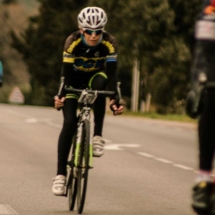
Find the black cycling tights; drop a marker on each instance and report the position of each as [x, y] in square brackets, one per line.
[70, 119]
[207, 133]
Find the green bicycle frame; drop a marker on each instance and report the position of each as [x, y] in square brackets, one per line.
[78, 146]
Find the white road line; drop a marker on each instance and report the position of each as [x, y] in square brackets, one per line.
[54, 125]
[145, 155]
[163, 160]
[7, 209]
[183, 167]
[31, 120]
[43, 120]
[166, 161]
[120, 146]
[17, 113]
[107, 141]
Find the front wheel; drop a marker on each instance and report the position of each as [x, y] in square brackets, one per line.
[72, 193]
[72, 181]
[83, 166]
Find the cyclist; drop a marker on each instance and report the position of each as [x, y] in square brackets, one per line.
[1, 73]
[201, 103]
[89, 59]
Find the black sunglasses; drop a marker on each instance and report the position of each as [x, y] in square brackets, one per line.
[90, 32]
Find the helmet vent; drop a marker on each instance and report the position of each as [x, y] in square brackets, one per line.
[92, 17]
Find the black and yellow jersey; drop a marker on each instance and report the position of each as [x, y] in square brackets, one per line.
[81, 60]
[89, 59]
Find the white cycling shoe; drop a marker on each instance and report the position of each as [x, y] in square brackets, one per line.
[98, 146]
[59, 185]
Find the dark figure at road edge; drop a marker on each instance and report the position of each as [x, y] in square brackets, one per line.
[201, 103]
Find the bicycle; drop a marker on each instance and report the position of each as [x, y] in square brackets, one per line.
[81, 153]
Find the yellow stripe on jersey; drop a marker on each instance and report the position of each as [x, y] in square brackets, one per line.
[112, 56]
[109, 45]
[72, 46]
[89, 64]
[68, 58]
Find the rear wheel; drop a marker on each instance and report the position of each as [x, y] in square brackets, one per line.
[83, 166]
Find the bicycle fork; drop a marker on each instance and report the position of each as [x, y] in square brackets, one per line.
[78, 149]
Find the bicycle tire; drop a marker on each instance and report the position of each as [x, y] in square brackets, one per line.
[84, 158]
[72, 194]
[72, 184]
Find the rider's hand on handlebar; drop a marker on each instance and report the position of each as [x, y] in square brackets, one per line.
[58, 102]
[117, 109]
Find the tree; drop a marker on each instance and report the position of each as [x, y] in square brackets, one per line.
[186, 13]
[9, 1]
[158, 33]
[41, 45]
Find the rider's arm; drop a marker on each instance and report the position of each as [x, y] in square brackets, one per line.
[65, 73]
[68, 61]
[60, 97]
[115, 104]
[111, 70]
[111, 65]
[111, 73]
[65, 77]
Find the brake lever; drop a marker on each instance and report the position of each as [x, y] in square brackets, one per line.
[119, 95]
[60, 90]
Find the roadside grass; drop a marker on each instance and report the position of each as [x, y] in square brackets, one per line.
[169, 117]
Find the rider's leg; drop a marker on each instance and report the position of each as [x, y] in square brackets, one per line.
[207, 111]
[78, 80]
[98, 82]
[67, 132]
[202, 191]
[206, 133]
[64, 144]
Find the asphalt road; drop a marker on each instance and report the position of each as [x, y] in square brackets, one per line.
[148, 167]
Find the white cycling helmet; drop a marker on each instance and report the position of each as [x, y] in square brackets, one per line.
[92, 17]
